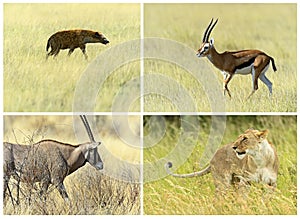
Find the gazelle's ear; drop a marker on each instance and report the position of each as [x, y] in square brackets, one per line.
[211, 42]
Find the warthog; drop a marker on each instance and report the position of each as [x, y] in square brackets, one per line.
[48, 162]
[72, 39]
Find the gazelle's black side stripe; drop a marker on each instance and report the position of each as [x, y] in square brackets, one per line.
[245, 64]
[250, 61]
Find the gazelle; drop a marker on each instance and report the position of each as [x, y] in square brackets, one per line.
[242, 62]
[48, 162]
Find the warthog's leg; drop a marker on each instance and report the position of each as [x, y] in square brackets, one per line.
[54, 51]
[62, 190]
[82, 47]
[71, 51]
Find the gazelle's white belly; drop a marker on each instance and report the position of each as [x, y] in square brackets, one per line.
[244, 71]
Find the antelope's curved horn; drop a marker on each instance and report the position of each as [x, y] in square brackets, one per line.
[87, 127]
[206, 40]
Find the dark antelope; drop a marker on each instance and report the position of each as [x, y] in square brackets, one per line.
[243, 62]
[48, 162]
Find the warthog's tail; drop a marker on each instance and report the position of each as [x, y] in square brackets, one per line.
[188, 175]
[48, 45]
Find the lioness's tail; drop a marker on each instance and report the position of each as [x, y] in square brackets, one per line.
[188, 175]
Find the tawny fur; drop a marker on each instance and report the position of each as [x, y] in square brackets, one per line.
[251, 158]
[72, 39]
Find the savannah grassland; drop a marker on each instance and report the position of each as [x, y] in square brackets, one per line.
[267, 27]
[170, 195]
[114, 190]
[33, 84]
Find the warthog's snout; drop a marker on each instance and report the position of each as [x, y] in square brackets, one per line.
[105, 41]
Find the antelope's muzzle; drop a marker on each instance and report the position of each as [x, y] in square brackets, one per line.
[99, 166]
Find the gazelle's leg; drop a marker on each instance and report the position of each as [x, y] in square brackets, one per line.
[265, 80]
[227, 78]
[224, 76]
[254, 82]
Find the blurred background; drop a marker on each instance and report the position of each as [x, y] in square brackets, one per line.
[169, 195]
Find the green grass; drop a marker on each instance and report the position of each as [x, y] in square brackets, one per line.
[169, 195]
[186, 23]
[32, 84]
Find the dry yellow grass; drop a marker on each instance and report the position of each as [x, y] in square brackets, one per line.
[32, 84]
[186, 23]
[114, 191]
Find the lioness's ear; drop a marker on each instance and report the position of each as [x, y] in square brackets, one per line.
[263, 134]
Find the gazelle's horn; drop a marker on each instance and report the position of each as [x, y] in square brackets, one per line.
[204, 36]
[208, 34]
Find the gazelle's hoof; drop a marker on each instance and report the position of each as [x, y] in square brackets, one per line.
[225, 90]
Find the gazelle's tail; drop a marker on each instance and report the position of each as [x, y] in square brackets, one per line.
[273, 64]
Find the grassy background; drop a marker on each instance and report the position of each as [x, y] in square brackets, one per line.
[262, 28]
[116, 191]
[171, 195]
[33, 84]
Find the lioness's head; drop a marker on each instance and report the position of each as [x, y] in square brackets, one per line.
[248, 142]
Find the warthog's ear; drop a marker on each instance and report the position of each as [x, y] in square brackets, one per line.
[263, 134]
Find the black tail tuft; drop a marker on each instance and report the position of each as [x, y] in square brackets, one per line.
[273, 64]
[169, 164]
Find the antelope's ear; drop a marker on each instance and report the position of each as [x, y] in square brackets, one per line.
[94, 145]
[211, 42]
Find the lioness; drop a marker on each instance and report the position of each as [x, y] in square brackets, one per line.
[250, 158]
